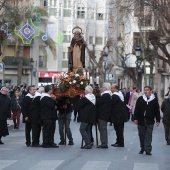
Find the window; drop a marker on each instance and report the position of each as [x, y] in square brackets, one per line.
[51, 3]
[67, 4]
[52, 11]
[67, 39]
[100, 16]
[45, 2]
[136, 39]
[65, 55]
[90, 40]
[146, 20]
[64, 64]
[66, 13]
[42, 62]
[55, 3]
[98, 40]
[81, 14]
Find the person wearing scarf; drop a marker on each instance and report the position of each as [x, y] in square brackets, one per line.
[5, 112]
[87, 111]
[146, 110]
[25, 108]
[103, 105]
[119, 115]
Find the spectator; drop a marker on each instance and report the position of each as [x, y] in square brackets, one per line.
[166, 118]
[5, 112]
[16, 102]
[146, 110]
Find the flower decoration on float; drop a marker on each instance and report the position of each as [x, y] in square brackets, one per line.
[71, 79]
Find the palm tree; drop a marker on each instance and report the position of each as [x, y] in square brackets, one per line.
[24, 13]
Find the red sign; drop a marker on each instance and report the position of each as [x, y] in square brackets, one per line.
[50, 74]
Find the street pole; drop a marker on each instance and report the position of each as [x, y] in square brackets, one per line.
[31, 74]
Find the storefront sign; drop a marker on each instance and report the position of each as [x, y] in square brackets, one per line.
[50, 74]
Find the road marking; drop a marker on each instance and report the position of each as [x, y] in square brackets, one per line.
[6, 163]
[131, 143]
[145, 166]
[5, 149]
[47, 164]
[96, 165]
[125, 158]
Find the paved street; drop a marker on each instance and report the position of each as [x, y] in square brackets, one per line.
[14, 155]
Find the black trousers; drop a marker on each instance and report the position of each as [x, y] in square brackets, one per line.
[119, 128]
[145, 137]
[28, 133]
[48, 131]
[36, 130]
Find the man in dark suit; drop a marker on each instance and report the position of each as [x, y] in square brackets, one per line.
[35, 116]
[103, 105]
[118, 115]
[26, 105]
[49, 117]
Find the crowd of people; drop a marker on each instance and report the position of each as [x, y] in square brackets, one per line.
[41, 109]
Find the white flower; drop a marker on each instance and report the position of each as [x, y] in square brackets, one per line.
[81, 83]
[70, 82]
[76, 75]
[74, 81]
[65, 76]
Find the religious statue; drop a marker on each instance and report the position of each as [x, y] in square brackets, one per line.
[76, 54]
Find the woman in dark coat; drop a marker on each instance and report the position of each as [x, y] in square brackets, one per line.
[16, 108]
[5, 112]
[87, 110]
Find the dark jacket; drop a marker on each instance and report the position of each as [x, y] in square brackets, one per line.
[165, 107]
[103, 105]
[35, 110]
[147, 112]
[64, 101]
[25, 107]
[48, 110]
[5, 107]
[118, 110]
[16, 104]
[127, 97]
[87, 111]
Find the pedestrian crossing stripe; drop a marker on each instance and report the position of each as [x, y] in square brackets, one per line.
[96, 165]
[47, 164]
[146, 166]
[6, 163]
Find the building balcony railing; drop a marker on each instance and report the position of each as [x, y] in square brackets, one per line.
[14, 61]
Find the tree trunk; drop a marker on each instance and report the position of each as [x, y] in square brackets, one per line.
[20, 64]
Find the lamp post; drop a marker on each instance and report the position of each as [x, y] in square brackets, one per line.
[32, 65]
[105, 56]
[137, 53]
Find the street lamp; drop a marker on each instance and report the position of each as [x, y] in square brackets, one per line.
[138, 53]
[105, 56]
[32, 65]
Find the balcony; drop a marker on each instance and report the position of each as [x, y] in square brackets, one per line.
[12, 62]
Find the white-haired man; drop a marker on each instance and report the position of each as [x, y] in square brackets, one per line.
[103, 105]
[35, 112]
[87, 110]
